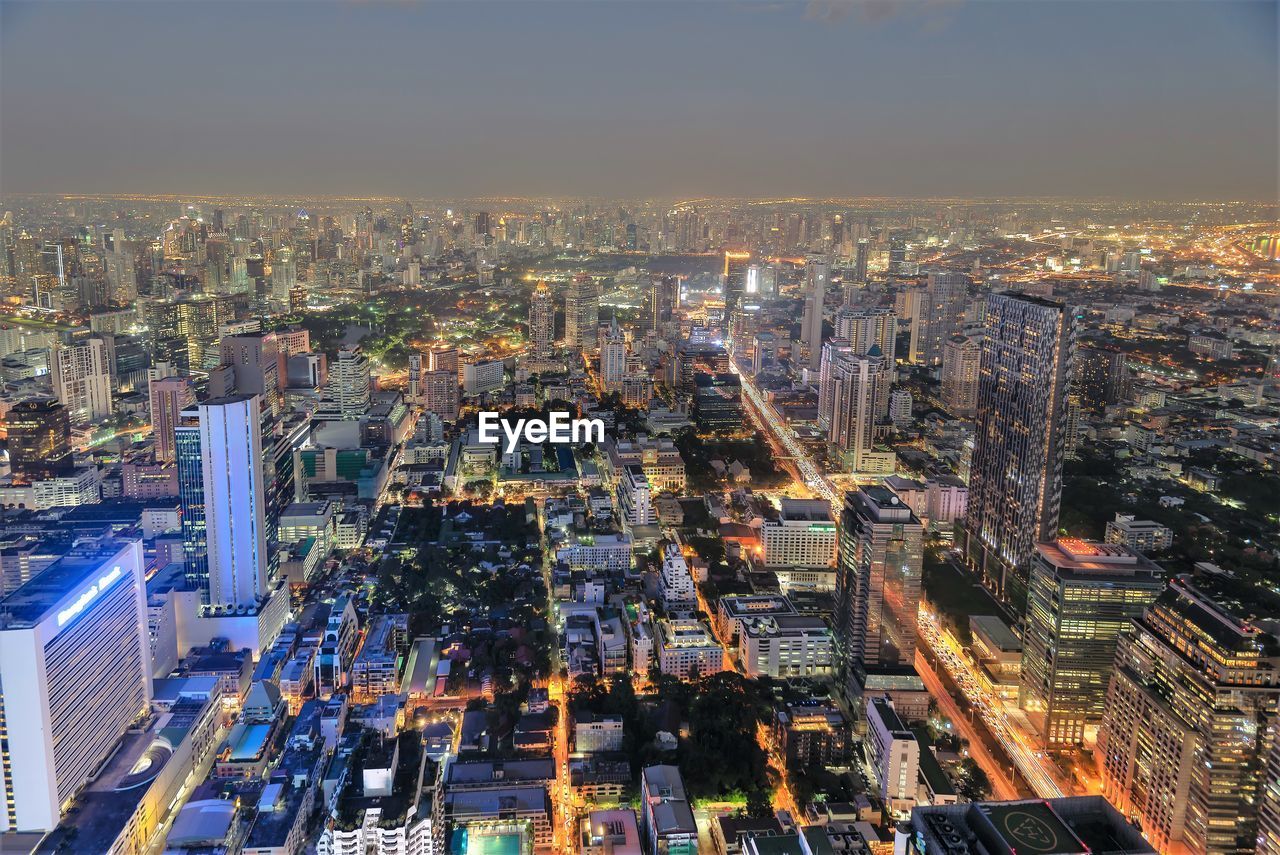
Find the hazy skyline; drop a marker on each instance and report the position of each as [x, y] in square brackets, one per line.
[1142, 100]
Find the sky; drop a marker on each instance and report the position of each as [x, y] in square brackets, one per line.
[652, 99]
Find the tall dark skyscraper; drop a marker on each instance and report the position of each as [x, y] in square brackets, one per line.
[664, 299]
[1015, 484]
[39, 438]
[1101, 376]
[878, 570]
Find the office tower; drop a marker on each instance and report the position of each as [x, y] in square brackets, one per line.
[1015, 480]
[189, 460]
[234, 500]
[734, 283]
[613, 357]
[39, 438]
[74, 652]
[257, 364]
[542, 322]
[81, 372]
[961, 356]
[1269, 809]
[440, 394]
[1185, 728]
[664, 300]
[898, 254]
[764, 352]
[942, 314]
[122, 274]
[860, 261]
[1081, 596]
[1101, 377]
[878, 571]
[350, 387]
[848, 401]
[816, 275]
[168, 396]
[867, 328]
[284, 276]
[581, 312]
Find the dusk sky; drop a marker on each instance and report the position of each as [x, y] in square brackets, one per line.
[431, 99]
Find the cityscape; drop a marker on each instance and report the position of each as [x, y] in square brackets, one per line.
[356, 505]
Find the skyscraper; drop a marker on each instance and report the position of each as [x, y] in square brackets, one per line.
[816, 275]
[258, 364]
[168, 396]
[1081, 596]
[878, 573]
[581, 312]
[39, 438]
[664, 299]
[849, 386]
[81, 373]
[234, 500]
[77, 675]
[867, 328]
[1185, 733]
[1101, 376]
[942, 315]
[1015, 485]
[961, 357]
[542, 322]
[440, 394]
[350, 388]
[613, 357]
[860, 261]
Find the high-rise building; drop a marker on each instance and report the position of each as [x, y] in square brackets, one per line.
[234, 500]
[860, 261]
[961, 356]
[1081, 596]
[664, 300]
[440, 394]
[1015, 480]
[168, 396]
[1101, 377]
[542, 322]
[74, 652]
[39, 438]
[443, 359]
[284, 277]
[81, 371]
[350, 388]
[849, 388]
[1187, 724]
[817, 274]
[942, 314]
[878, 574]
[802, 535]
[735, 282]
[258, 365]
[613, 357]
[581, 312]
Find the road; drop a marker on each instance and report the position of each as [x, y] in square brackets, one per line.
[1035, 766]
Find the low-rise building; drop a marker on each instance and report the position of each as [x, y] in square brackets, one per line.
[786, 646]
[686, 647]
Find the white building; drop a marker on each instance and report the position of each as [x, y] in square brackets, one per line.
[597, 552]
[74, 654]
[686, 645]
[478, 377]
[786, 646]
[1139, 535]
[675, 582]
[634, 498]
[803, 535]
[234, 500]
[894, 755]
[613, 357]
[82, 379]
